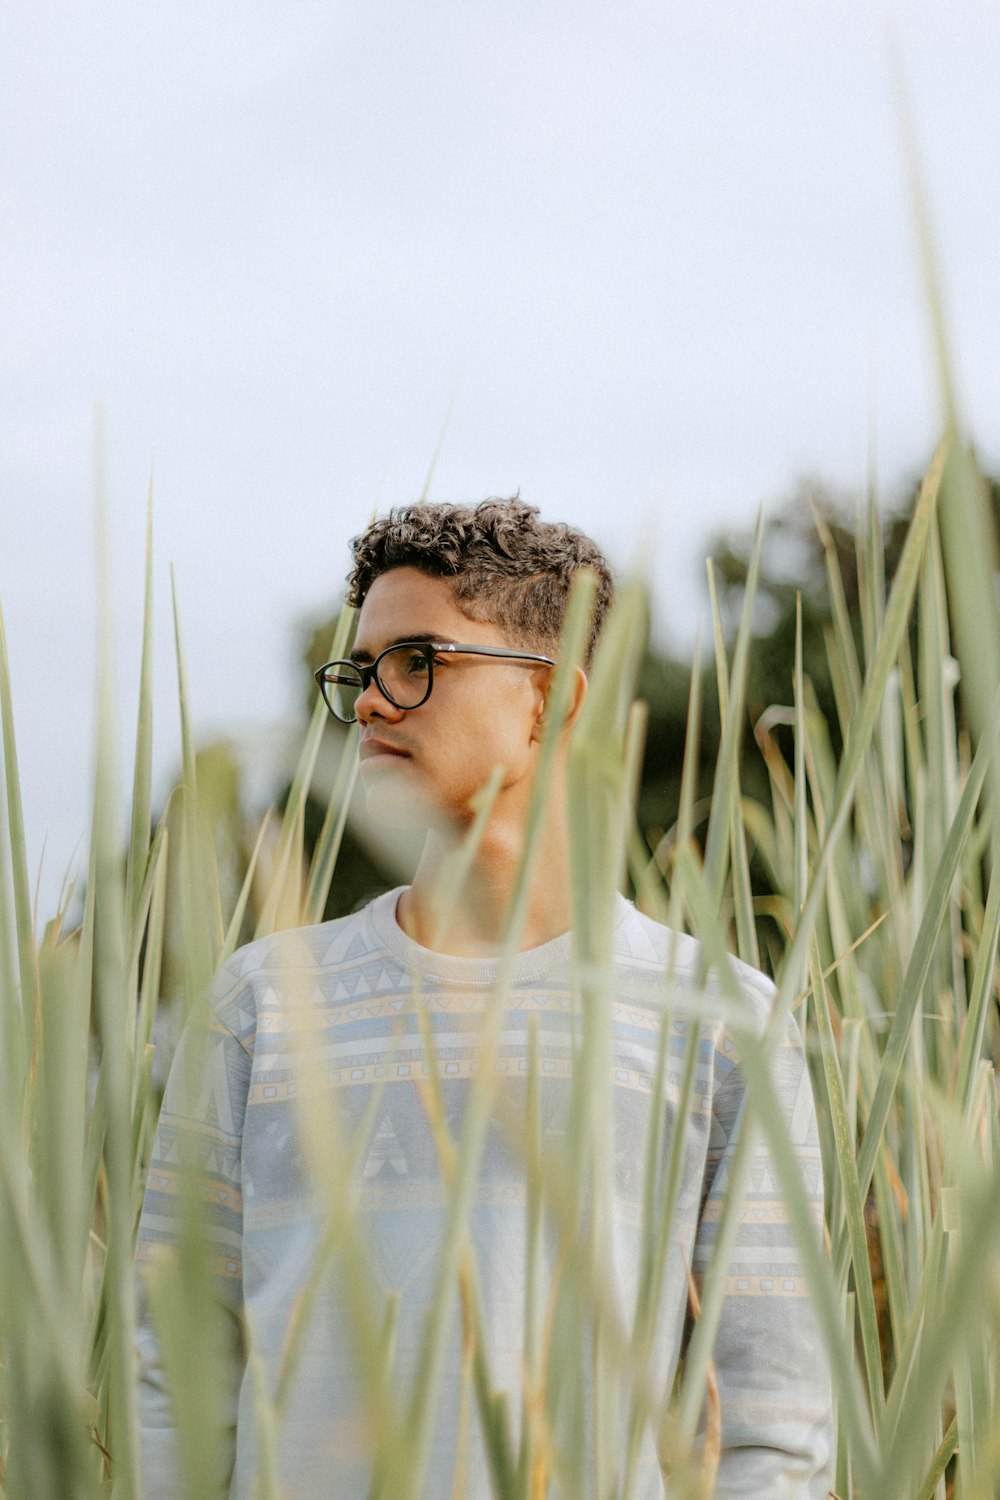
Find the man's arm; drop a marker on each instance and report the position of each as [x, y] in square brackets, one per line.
[197, 1151]
[771, 1363]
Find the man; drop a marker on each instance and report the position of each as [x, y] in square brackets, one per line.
[408, 1028]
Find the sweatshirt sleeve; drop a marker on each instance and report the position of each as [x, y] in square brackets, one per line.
[770, 1359]
[198, 1141]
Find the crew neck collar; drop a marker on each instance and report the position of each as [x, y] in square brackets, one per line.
[530, 965]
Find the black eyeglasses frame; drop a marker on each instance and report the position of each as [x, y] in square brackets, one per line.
[369, 671]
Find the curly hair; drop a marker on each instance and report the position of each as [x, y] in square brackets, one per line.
[506, 566]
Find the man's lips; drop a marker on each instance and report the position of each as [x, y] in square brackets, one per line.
[378, 749]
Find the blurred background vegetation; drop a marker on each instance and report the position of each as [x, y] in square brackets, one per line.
[813, 527]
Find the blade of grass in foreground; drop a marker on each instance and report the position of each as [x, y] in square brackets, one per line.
[763, 1110]
[980, 996]
[920, 960]
[288, 862]
[192, 1340]
[20, 1016]
[114, 1023]
[232, 937]
[331, 835]
[149, 993]
[968, 529]
[142, 779]
[939, 1463]
[200, 881]
[601, 770]
[11, 1028]
[854, 1213]
[412, 1457]
[953, 1315]
[862, 729]
[725, 786]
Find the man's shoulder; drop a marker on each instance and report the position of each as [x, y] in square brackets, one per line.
[642, 943]
[296, 952]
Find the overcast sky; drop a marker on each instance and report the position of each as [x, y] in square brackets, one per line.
[656, 258]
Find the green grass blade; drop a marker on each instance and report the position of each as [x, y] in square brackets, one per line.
[154, 927]
[725, 788]
[863, 726]
[938, 897]
[476, 1115]
[203, 924]
[746, 928]
[765, 1112]
[953, 1316]
[854, 1211]
[115, 1021]
[939, 1463]
[324, 860]
[288, 862]
[143, 772]
[719, 644]
[980, 998]
[20, 1016]
[232, 936]
[843, 633]
[801, 823]
[425, 489]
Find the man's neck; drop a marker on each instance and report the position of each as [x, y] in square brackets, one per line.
[472, 921]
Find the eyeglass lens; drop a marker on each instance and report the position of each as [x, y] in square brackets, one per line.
[403, 676]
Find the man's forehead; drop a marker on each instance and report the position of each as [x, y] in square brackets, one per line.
[405, 604]
[406, 583]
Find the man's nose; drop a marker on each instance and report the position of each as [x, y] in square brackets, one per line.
[373, 704]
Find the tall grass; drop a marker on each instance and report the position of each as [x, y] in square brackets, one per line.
[880, 926]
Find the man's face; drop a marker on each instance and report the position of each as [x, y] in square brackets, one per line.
[423, 766]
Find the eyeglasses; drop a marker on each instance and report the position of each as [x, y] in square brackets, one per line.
[403, 673]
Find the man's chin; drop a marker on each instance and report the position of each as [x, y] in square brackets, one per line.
[394, 795]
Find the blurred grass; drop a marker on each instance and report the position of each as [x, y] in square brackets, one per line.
[855, 857]
[884, 917]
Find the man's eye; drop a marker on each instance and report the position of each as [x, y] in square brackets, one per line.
[416, 664]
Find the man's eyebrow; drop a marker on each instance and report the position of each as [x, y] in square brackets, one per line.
[419, 637]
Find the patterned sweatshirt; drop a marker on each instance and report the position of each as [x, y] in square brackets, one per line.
[358, 1011]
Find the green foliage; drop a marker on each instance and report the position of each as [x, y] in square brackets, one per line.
[852, 849]
[815, 549]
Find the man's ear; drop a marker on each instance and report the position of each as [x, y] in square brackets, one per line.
[580, 685]
[579, 694]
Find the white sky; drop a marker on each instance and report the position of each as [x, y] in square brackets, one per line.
[658, 255]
